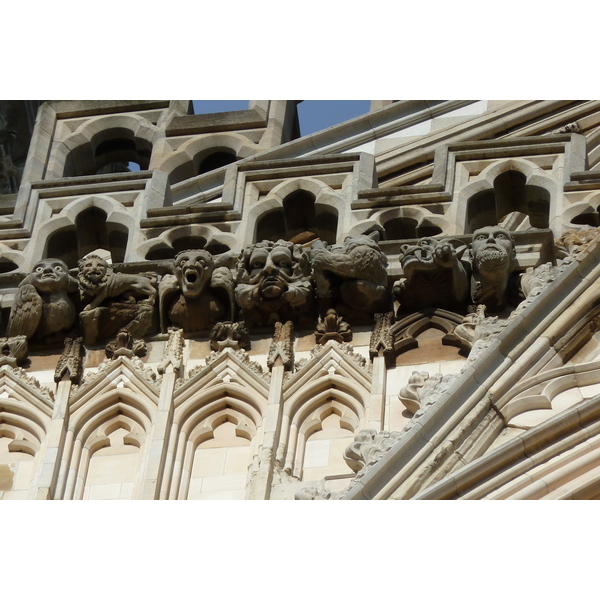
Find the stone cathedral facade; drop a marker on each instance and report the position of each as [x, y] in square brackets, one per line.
[402, 306]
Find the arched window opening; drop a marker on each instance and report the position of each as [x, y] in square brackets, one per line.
[63, 244]
[300, 220]
[591, 218]
[90, 232]
[299, 213]
[270, 226]
[510, 195]
[216, 160]
[182, 172]
[192, 242]
[401, 228]
[427, 229]
[115, 150]
[6, 266]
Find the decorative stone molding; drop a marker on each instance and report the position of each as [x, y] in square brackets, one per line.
[433, 275]
[240, 354]
[410, 395]
[29, 381]
[569, 128]
[314, 493]
[282, 346]
[13, 350]
[345, 348]
[467, 332]
[173, 352]
[362, 268]
[382, 340]
[368, 447]
[134, 363]
[70, 363]
[227, 334]
[573, 243]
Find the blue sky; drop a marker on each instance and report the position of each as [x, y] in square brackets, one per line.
[313, 115]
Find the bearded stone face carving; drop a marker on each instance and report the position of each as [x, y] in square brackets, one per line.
[192, 295]
[494, 259]
[433, 275]
[352, 277]
[115, 300]
[273, 283]
[42, 306]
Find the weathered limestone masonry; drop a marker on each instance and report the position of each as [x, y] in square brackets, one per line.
[405, 305]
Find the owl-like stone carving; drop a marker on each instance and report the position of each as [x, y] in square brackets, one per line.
[42, 306]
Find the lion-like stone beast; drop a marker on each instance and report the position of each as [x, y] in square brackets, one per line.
[352, 276]
[115, 301]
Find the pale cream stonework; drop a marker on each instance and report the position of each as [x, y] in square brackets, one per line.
[512, 410]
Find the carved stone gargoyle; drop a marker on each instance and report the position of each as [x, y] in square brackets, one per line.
[433, 275]
[273, 284]
[200, 292]
[42, 308]
[115, 301]
[352, 276]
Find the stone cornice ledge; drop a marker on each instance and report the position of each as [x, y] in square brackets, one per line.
[397, 471]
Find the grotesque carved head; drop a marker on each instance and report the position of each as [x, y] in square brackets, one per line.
[273, 283]
[493, 249]
[193, 269]
[93, 272]
[273, 266]
[418, 256]
[50, 275]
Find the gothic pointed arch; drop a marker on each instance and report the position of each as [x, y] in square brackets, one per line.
[105, 143]
[325, 403]
[217, 427]
[25, 414]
